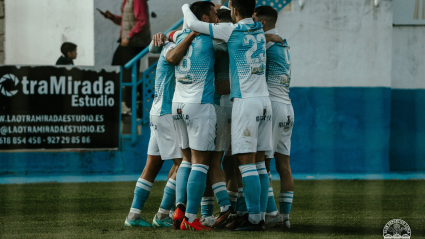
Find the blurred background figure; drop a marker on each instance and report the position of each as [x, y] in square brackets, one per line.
[134, 37]
[69, 54]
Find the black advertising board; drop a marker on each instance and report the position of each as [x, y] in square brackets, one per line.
[48, 107]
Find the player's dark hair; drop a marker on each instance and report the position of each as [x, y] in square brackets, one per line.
[67, 47]
[244, 7]
[224, 15]
[267, 13]
[200, 8]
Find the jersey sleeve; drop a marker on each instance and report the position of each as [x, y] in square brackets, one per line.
[219, 45]
[218, 31]
[168, 46]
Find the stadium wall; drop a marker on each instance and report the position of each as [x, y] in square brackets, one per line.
[357, 90]
[35, 31]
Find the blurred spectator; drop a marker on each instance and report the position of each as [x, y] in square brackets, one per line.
[135, 36]
[69, 51]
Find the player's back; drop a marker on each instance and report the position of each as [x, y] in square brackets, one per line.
[278, 71]
[164, 84]
[195, 73]
[247, 48]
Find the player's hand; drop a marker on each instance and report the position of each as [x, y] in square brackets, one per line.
[217, 6]
[222, 87]
[273, 38]
[159, 39]
[230, 4]
[195, 34]
[125, 41]
[108, 14]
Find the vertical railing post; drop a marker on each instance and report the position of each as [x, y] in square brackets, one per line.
[120, 105]
[134, 103]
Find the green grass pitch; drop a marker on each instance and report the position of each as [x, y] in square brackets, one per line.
[321, 209]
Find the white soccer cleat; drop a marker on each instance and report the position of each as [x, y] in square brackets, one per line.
[272, 221]
[207, 221]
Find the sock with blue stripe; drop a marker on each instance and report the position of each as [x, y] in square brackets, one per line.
[207, 206]
[252, 191]
[241, 203]
[181, 182]
[220, 192]
[285, 202]
[271, 204]
[168, 199]
[264, 182]
[141, 194]
[233, 198]
[195, 187]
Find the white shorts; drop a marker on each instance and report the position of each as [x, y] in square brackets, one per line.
[224, 123]
[195, 125]
[163, 139]
[283, 122]
[251, 125]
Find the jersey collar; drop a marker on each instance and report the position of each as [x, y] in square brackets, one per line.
[272, 31]
[248, 20]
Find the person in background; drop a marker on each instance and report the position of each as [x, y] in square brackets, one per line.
[69, 51]
[135, 36]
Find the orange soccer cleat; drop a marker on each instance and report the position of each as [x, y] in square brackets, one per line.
[194, 226]
[177, 218]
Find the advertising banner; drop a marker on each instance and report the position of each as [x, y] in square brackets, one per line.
[48, 107]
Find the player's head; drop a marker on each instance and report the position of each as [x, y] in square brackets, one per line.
[205, 11]
[69, 50]
[242, 9]
[224, 15]
[266, 15]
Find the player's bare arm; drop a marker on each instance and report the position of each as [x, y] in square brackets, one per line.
[273, 38]
[175, 55]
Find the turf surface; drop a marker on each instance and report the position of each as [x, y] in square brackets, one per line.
[321, 209]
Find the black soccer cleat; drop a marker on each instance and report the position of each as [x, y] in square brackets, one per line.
[248, 226]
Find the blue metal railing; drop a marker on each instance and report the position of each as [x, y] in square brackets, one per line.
[134, 83]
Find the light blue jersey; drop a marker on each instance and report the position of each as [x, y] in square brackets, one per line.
[222, 73]
[195, 73]
[278, 73]
[164, 84]
[247, 50]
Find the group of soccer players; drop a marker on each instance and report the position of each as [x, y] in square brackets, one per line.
[221, 98]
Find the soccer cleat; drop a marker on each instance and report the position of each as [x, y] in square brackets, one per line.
[194, 226]
[136, 223]
[167, 222]
[272, 221]
[237, 221]
[287, 224]
[178, 218]
[207, 221]
[224, 218]
[248, 226]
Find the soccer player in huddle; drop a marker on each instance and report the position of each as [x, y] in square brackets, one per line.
[163, 143]
[251, 124]
[195, 122]
[278, 75]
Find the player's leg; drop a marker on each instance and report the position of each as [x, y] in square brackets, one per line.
[273, 218]
[201, 121]
[230, 167]
[145, 182]
[142, 191]
[185, 167]
[207, 206]
[287, 186]
[283, 167]
[264, 144]
[246, 114]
